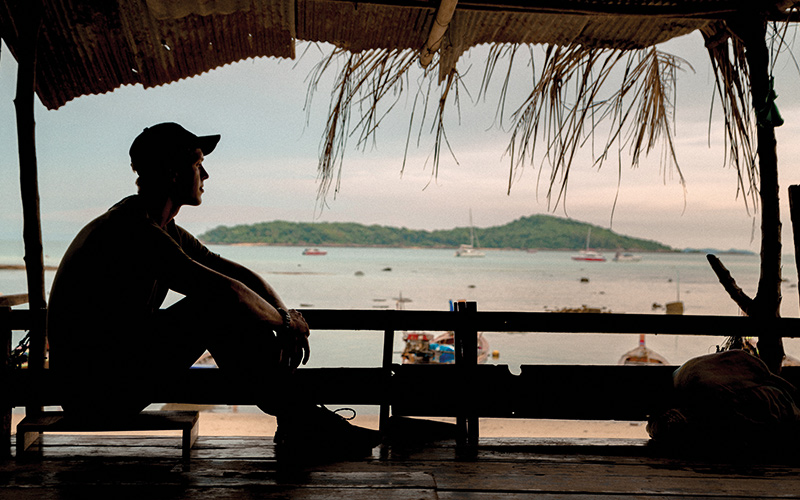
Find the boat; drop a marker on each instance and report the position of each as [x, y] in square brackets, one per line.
[676, 307]
[314, 251]
[641, 355]
[589, 255]
[422, 348]
[470, 250]
[206, 360]
[627, 257]
[425, 348]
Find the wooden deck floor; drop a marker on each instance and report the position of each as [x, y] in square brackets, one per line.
[151, 467]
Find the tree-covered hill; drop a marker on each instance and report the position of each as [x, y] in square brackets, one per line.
[536, 231]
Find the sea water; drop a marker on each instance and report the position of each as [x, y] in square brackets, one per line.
[503, 280]
[507, 280]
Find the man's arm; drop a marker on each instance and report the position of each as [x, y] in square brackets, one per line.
[250, 279]
[232, 286]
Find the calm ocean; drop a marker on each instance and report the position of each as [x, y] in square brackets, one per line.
[368, 278]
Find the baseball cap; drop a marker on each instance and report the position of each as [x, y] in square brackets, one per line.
[167, 140]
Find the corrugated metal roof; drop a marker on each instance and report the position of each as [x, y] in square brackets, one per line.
[95, 46]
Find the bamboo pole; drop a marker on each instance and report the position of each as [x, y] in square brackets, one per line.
[444, 14]
[29, 25]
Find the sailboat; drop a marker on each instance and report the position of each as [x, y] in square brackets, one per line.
[589, 255]
[470, 250]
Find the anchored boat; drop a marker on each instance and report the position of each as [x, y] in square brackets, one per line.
[470, 250]
[642, 355]
[589, 255]
[424, 348]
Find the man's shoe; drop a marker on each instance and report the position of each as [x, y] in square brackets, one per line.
[320, 434]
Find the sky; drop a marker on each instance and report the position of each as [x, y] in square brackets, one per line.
[265, 167]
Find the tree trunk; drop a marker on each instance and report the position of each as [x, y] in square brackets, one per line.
[767, 301]
[28, 174]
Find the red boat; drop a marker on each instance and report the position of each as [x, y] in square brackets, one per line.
[314, 251]
[589, 256]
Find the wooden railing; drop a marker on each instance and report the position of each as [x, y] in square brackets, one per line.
[464, 390]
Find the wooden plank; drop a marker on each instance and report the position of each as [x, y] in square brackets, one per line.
[501, 469]
[434, 472]
[13, 299]
[5, 409]
[56, 421]
[505, 321]
[29, 429]
[614, 478]
[496, 321]
[592, 392]
[212, 386]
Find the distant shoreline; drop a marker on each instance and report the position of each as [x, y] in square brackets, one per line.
[488, 249]
[21, 267]
[443, 247]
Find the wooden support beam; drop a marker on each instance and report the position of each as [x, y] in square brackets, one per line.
[444, 14]
[386, 367]
[6, 303]
[466, 357]
[29, 24]
[794, 214]
[677, 10]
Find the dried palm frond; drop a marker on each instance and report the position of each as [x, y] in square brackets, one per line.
[366, 80]
[639, 113]
[732, 79]
[576, 93]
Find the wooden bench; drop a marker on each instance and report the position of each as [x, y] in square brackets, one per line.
[30, 429]
[33, 385]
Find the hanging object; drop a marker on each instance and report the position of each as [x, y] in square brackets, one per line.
[769, 116]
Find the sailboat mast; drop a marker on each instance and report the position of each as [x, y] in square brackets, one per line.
[471, 230]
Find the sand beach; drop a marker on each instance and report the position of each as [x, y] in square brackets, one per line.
[257, 424]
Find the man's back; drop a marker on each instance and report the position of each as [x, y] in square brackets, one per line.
[111, 278]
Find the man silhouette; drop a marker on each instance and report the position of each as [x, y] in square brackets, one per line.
[110, 337]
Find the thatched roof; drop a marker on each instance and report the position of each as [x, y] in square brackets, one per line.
[96, 46]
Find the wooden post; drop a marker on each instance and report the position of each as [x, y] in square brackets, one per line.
[466, 355]
[6, 303]
[5, 411]
[388, 348]
[29, 26]
[794, 213]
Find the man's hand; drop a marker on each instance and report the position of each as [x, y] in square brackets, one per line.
[293, 341]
